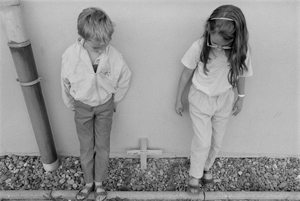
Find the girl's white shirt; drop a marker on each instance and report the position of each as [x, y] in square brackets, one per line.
[216, 80]
[80, 82]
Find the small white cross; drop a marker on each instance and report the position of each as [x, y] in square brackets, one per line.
[143, 152]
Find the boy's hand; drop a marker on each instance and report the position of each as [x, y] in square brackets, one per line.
[115, 106]
[237, 106]
[179, 108]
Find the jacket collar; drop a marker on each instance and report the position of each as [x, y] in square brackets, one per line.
[80, 41]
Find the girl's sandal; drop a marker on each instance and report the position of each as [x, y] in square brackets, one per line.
[194, 189]
[206, 181]
[100, 196]
[85, 195]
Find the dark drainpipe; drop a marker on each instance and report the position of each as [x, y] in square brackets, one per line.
[21, 51]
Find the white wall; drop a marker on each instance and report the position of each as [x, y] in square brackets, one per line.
[153, 35]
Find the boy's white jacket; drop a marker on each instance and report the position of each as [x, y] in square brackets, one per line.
[80, 82]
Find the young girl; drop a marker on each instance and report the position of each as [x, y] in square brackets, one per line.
[220, 61]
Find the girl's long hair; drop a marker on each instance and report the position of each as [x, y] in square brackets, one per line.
[235, 30]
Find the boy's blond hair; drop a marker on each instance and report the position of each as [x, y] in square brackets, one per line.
[94, 24]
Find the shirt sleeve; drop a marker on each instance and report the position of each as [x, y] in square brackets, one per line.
[65, 87]
[192, 56]
[123, 83]
[249, 72]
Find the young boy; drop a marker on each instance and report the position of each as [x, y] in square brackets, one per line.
[94, 77]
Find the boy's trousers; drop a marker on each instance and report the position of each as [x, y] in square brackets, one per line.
[209, 117]
[93, 125]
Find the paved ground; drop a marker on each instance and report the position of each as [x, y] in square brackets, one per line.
[144, 195]
[119, 199]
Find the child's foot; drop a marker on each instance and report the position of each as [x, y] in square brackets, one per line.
[193, 185]
[207, 178]
[84, 192]
[100, 193]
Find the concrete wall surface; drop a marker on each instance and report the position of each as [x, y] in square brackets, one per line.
[153, 35]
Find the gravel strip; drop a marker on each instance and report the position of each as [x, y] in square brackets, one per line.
[162, 174]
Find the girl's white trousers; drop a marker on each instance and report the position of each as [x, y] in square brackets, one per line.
[209, 117]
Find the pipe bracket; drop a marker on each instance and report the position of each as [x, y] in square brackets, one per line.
[18, 45]
[27, 84]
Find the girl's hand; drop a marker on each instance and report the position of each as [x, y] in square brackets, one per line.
[237, 106]
[179, 108]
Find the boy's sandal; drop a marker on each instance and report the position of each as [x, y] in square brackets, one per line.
[195, 189]
[100, 196]
[206, 181]
[85, 195]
